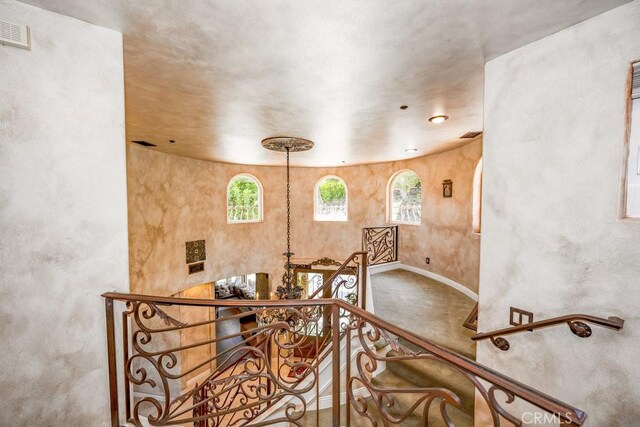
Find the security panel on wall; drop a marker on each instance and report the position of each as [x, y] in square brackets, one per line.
[15, 35]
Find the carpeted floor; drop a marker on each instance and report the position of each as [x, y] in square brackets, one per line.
[424, 306]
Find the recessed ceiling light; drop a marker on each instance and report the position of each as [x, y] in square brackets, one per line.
[404, 107]
[172, 141]
[410, 150]
[438, 119]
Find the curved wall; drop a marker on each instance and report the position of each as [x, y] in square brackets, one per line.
[176, 199]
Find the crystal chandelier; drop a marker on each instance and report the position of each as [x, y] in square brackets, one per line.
[289, 289]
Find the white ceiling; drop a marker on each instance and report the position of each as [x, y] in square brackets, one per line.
[218, 76]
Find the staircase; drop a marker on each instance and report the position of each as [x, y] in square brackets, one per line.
[439, 312]
[299, 354]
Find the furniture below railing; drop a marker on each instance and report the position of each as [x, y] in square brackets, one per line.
[273, 371]
[381, 244]
[576, 322]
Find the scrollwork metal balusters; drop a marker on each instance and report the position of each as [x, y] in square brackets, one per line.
[245, 383]
[266, 375]
[381, 244]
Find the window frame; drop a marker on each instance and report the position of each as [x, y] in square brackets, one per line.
[316, 199]
[260, 200]
[390, 198]
[624, 190]
[476, 202]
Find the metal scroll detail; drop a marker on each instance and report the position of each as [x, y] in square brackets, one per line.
[267, 363]
[268, 370]
[381, 403]
[381, 244]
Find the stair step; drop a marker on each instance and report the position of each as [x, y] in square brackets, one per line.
[402, 403]
[431, 373]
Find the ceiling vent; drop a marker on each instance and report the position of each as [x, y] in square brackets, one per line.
[144, 143]
[15, 35]
[471, 135]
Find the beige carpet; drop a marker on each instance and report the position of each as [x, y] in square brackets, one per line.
[435, 311]
[426, 307]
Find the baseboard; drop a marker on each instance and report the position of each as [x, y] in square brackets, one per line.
[381, 268]
[457, 286]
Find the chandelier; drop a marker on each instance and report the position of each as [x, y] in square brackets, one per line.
[289, 289]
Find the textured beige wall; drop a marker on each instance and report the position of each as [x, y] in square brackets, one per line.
[174, 199]
[63, 217]
[552, 244]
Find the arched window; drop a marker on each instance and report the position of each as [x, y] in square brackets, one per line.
[477, 199]
[405, 198]
[330, 200]
[244, 199]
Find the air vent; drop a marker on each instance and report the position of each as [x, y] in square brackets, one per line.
[471, 134]
[144, 143]
[15, 35]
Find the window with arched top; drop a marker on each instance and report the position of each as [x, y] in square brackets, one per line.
[330, 199]
[477, 198]
[244, 199]
[405, 198]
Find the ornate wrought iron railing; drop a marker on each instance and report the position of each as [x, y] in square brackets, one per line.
[408, 214]
[336, 210]
[273, 373]
[381, 244]
[243, 213]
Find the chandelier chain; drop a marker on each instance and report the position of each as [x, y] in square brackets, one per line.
[288, 216]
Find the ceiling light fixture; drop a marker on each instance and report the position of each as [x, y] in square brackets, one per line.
[404, 107]
[410, 150]
[289, 288]
[438, 119]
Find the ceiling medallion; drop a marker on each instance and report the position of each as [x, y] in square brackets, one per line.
[289, 289]
[287, 143]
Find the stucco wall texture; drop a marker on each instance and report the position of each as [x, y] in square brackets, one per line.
[175, 199]
[63, 217]
[552, 244]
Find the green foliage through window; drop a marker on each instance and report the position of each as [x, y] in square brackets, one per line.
[331, 200]
[331, 190]
[243, 198]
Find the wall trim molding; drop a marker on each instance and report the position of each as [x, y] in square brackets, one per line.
[459, 287]
[381, 268]
[397, 265]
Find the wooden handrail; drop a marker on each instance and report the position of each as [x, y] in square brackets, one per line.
[576, 322]
[567, 413]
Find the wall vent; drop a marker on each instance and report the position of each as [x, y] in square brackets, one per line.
[471, 134]
[15, 35]
[144, 143]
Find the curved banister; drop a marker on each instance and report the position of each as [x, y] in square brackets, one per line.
[576, 322]
[567, 413]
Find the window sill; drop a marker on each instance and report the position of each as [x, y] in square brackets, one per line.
[405, 223]
[330, 220]
[245, 222]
